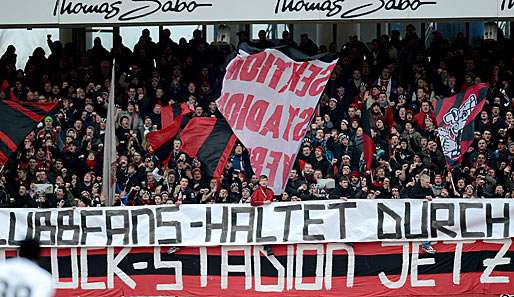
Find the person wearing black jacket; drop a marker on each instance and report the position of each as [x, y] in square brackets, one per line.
[132, 178]
[422, 189]
[306, 155]
[294, 182]
[23, 199]
[184, 194]
[320, 162]
[342, 190]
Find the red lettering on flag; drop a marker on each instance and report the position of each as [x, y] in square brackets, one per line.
[298, 70]
[277, 75]
[307, 80]
[251, 66]
[232, 108]
[318, 85]
[234, 68]
[293, 112]
[256, 114]
[265, 69]
[273, 123]
[244, 112]
[273, 166]
[300, 128]
[257, 158]
[286, 167]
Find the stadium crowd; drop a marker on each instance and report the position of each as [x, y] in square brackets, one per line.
[396, 78]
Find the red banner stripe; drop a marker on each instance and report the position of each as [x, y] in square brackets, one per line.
[3, 158]
[218, 172]
[194, 134]
[146, 285]
[27, 112]
[446, 104]
[8, 141]
[166, 116]
[165, 135]
[46, 107]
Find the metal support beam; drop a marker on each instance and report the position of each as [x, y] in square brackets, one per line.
[115, 34]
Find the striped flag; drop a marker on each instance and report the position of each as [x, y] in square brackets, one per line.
[211, 141]
[455, 119]
[170, 113]
[19, 119]
[109, 161]
[161, 141]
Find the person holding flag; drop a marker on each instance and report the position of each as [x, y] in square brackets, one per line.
[263, 196]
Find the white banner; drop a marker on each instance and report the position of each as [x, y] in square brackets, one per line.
[98, 12]
[335, 221]
[268, 100]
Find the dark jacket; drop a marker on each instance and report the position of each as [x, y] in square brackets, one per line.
[340, 192]
[419, 192]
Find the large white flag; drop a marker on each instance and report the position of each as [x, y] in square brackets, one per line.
[268, 99]
[109, 174]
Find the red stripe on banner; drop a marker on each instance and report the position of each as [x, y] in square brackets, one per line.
[3, 158]
[166, 116]
[478, 109]
[46, 107]
[445, 106]
[236, 286]
[156, 139]
[218, 172]
[195, 133]
[8, 141]
[32, 115]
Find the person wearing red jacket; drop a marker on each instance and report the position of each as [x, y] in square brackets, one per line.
[425, 112]
[263, 195]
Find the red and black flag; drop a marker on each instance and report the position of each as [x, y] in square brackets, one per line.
[368, 145]
[17, 121]
[161, 142]
[455, 119]
[170, 113]
[211, 141]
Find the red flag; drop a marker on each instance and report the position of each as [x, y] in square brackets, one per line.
[161, 142]
[211, 141]
[168, 114]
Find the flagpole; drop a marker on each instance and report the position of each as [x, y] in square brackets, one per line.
[451, 180]
[108, 172]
